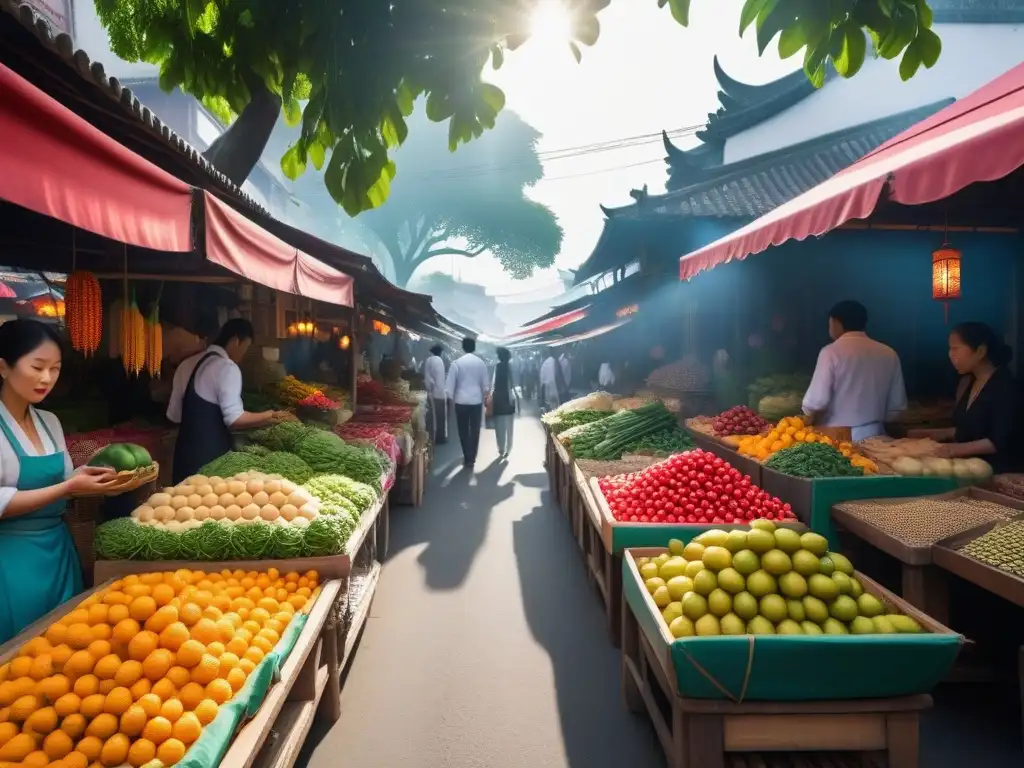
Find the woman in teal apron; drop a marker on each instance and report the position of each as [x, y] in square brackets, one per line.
[39, 568]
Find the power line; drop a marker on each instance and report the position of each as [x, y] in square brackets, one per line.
[601, 170]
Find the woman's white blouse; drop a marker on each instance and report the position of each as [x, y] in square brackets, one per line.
[10, 467]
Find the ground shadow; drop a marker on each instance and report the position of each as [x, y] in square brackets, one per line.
[563, 614]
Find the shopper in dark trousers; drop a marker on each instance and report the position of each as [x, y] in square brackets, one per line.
[468, 385]
[434, 380]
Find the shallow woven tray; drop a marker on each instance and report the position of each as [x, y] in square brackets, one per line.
[127, 481]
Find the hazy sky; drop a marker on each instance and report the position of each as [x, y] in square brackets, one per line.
[645, 74]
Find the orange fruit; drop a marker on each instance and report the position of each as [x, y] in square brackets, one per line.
[171, 710]
[205, 631]
[170, 752]
[107, 667]
[165, 689]
[125, 630]
[228, 661]
[141, 688]
[191, 695]
[77, 616]
[115, 751]
[269, 605]
[79, 636]
[226, 628]
[157, 730]
[215, 648]
[57, 745]
[246, 665]
[190, 653]
[207, 711]
[237, 647]
[150, 704]
[162, 619]
[106, 686]
[41, 722]
[252, 627]
[18, 748]
[262, 643]
[244, 634]
[116, 597]
[118, 701]
[188, 728]
[103, 726]
[219, 690]
[61, 654]
[157, 664]
[90, 746]
[236, 678]
[152, 579]
[129, 673]
[254, 654]
[52, 688]
[142, 608]
[138, 590]
[56, 634]
[42, 667]
[143, 644]
[190, 613]
[7, 732]
[23, 707]
[206, 670]
[133, 720]
[92, 706]
[179, 676]
[163, 594]
[86, 685]
[36, 759]
[76, 760]
[99, 648]
[98, 614]
[141, 752]
[173, 636]
[68, 704]
[117, 614]
[74, 725]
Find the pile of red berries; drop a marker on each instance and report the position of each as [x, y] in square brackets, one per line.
[691, 487]
[738, 421]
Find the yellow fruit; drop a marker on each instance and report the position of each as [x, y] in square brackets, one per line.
[170, 752]
[179, 676]
[190, 653]
[187, 729]
[138, 590]
[171, 710]
[157, 664]
[79, 635]
[116, 597]
[74, 725]
[18, 748]
[164, 689]
[129, 673]
[103, 726]
[163, 594]
[86, 685]
[220, 691]
[254, 654]
[117, 614]
[174, 635]
[115, 751]
[162, 619]
[133, 720]
[52, 688]
[190, 613]
[92, 705]
[262, 643]
[57, 745]
[141, 752]
[118, 701]
[143, 644]
[90, 746]
[216, 648]
[246, 665]
[141, 608]
[207, 670]
[191, 695]
[125, 631]
[150, 704]
[157, 730]
[23, 707]
[68, 704]
[141, 688]
[236, 678]
[237, 647]
[207, 711]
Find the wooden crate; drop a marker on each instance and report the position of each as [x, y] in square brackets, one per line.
[563, 480]
[713, 733]
[604, 567]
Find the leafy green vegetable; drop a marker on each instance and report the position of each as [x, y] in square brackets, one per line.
[288, 543]
[324, 536]
[285, 436]
[338, 490]
[251, 540]
[271, 463]
[120, 539]
[812, 460]
[215, 541]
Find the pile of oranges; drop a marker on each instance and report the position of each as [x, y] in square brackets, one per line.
[135, 671]
[791, 431]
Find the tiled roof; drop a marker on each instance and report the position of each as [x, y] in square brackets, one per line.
[978, 11]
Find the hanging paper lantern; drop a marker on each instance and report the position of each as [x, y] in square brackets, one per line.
[946, 276]
[45, 305]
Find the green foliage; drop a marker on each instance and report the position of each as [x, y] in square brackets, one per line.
[836, 31]
[349, 72]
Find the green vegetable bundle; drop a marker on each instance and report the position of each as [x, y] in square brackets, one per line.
[340, 491]
[576, 418]
[609, 438]
[675, 439]
[812, 460]
[777, 385]
[285, 436]
[286, 465]
[327, 453]
[125, 539]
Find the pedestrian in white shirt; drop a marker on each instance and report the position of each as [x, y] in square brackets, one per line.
[468, 385]
[549, 382]
[858, 382]
[565, 367]
[433, 378]
[605, 376]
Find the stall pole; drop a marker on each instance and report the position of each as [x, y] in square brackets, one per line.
[354, 347]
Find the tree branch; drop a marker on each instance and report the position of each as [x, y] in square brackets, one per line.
[448, 251]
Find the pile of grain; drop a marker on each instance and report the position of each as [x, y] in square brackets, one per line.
[1009, 484]
[923, 522]
[592, 468]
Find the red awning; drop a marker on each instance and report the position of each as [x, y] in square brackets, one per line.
[590, 334]
[55, 163]
[245, 248]
[550, 325]
[979, 138]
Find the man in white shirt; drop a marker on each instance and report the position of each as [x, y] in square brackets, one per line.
[565, 366]
[468, 385]
[549, 383]
[605, 376]
[206, 401]
[433, 378]
[858, 382]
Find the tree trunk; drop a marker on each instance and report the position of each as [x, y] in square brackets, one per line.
[403, 271]
[237, 150]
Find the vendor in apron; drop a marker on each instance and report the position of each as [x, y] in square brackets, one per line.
[39, 567]
[858, 382]
[206, 401]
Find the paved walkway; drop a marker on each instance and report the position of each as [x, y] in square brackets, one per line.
[485, 647]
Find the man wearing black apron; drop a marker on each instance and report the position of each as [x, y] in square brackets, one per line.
[206, 401]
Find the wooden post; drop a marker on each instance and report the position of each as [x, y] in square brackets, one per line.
[354, 347]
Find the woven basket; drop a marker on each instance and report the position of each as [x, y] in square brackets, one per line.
[129, 480]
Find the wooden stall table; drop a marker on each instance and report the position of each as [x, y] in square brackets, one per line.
[733, 731]
[564, 484]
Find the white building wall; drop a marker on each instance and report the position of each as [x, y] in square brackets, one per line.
[972, 55]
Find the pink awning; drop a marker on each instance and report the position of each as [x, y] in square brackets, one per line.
[979, 138]
[551, 324]
[247, 249]
[55, 163]
[590, 334]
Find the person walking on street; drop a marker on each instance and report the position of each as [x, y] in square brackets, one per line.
[467, 387]
[433, 378]
[563, 378]
[549, 391]
[503, 403]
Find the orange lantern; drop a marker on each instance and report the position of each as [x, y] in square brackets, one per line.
[47, 306]
[946, 276]
[344, 342]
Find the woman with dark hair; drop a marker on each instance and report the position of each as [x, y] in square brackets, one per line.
[986, 417]
[39, 568]
[503, 402]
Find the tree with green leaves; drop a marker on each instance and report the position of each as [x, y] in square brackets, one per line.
[350, 71]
